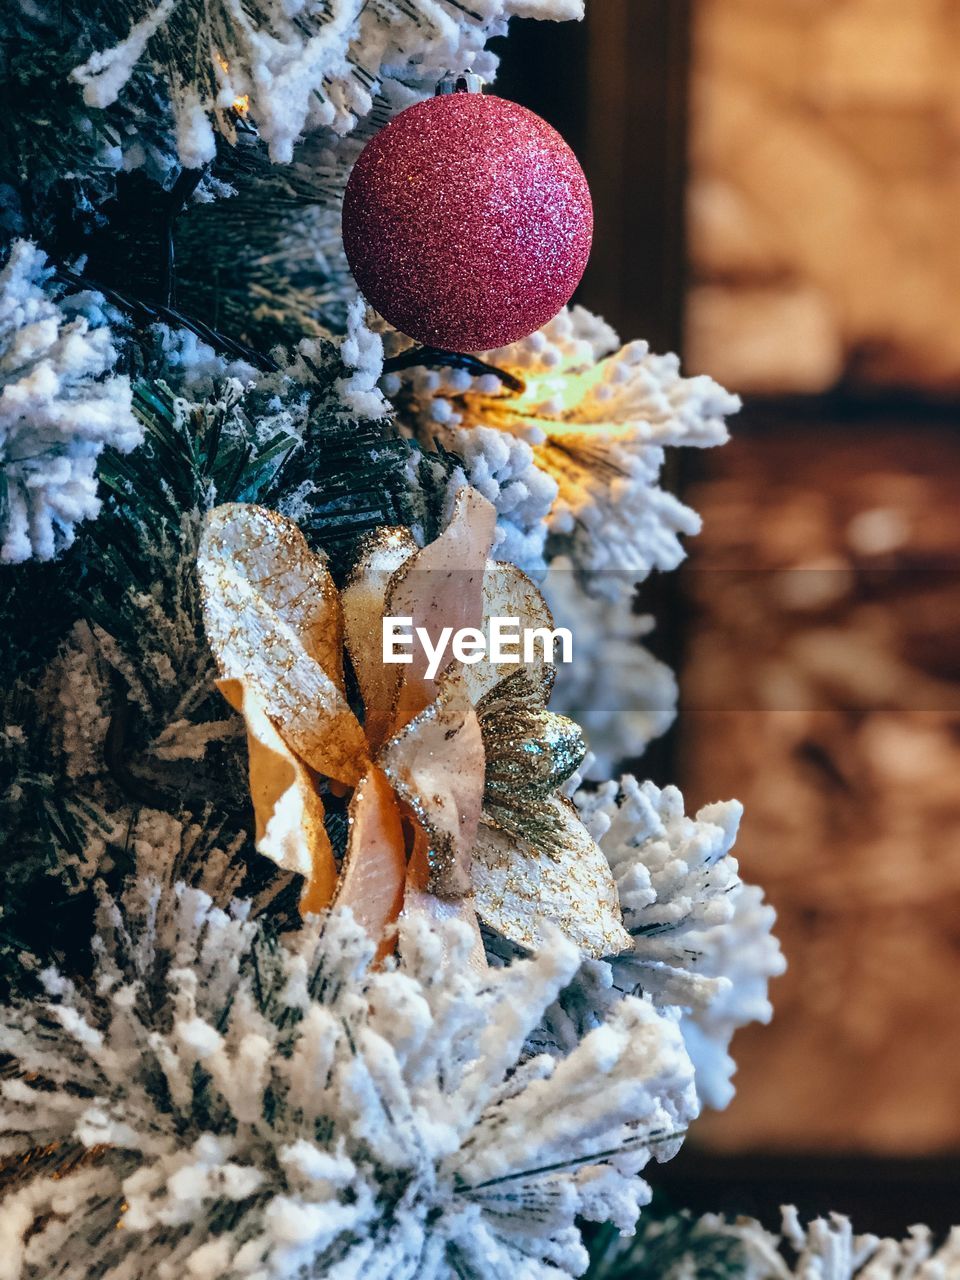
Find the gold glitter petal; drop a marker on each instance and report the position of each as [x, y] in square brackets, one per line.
[253, 643]
[518, 888]
[272, 553]
[530, 752]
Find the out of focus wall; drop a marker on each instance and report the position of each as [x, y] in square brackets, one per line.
[825, 193]
[822, 688]
[822, 680]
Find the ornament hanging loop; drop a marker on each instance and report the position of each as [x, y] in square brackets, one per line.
[459, 82]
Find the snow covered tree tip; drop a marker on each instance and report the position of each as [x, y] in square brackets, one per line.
[704, 948]
[295, 65]
[60, 405]
[213, 1104]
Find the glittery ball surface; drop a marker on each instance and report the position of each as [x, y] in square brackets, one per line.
[467, 222]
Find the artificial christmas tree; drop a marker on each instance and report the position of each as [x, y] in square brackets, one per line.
[312, 966]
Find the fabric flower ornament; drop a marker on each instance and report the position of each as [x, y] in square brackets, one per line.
[452, 779]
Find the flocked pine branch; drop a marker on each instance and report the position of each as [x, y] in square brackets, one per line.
[59, 159]
[268, 258]
[667, 1245]
[704, 950]
[61, 403]
[830, 1249]
[680, 1247]
[216, 1105]
[295, 67]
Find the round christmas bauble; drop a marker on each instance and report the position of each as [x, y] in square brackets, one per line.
[467, 222]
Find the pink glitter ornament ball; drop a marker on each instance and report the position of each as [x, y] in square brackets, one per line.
[467, 222]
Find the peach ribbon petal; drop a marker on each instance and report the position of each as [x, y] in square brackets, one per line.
[363, 600]
[374, 869]
[419, 903]
[436, 766]
[442, 587]
[288, 813]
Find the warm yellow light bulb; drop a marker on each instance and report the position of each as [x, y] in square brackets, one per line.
[241, 105]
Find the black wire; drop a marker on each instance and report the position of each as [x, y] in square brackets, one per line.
[434, 357]
[142, 312]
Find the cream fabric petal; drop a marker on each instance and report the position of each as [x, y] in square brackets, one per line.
[245, 576]
[439, 587]
[374, 869]
[436, 765]
[288, 812]
[509, 593]
[518, 888]
[363, 600]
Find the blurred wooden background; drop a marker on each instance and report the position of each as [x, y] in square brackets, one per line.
[777, 189]
[615, 87]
